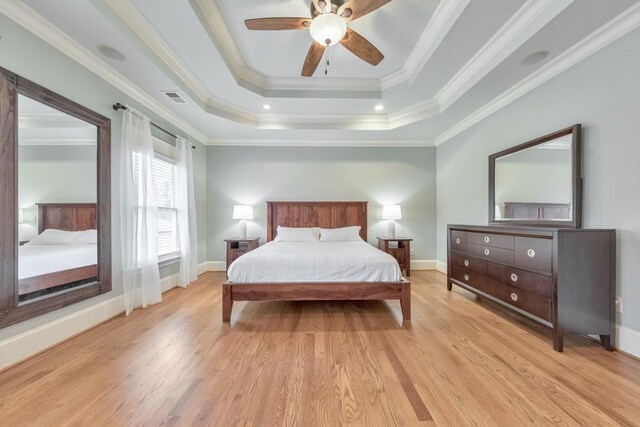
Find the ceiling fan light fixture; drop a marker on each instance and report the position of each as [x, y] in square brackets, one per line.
[328, 29]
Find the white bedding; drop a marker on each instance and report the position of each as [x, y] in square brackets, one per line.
[35, 260]
[277, 262]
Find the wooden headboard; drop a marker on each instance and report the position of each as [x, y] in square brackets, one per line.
[67, 216]
[316, 214]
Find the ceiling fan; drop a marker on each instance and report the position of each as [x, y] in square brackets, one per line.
[328, 26]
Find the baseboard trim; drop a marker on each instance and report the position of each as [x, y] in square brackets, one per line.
[212, 266]
[441, 267]
[628, 340]
[30, 343]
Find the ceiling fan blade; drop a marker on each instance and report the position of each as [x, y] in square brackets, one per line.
[359, 8]
[313, 59]
[271, 24]
[320, 5]
[362, 48]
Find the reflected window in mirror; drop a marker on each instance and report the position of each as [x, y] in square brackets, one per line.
[538, 182]
[57, 201]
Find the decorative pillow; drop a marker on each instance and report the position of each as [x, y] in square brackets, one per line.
[289, 234]
[87, 237]
[344, 234]
[51, 236]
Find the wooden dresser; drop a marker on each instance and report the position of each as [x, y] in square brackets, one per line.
[561, 277]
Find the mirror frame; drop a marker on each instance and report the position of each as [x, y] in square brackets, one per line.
[576, 180]
[11, 311]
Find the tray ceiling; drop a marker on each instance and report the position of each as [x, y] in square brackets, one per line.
[445, 62]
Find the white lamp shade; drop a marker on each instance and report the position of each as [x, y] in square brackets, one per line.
[391, 212]
[242, 212]
[20, 216]
[328, 29]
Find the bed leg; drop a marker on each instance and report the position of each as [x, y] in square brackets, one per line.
[405, 301]
[227, 303]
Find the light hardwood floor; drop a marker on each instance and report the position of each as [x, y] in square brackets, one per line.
[463, 361]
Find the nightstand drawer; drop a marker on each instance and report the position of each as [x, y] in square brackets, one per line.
[238, 247]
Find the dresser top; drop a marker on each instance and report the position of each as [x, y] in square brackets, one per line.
[529, 230]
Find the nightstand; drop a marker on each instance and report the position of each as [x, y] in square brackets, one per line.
[237, 247]
[399, 248]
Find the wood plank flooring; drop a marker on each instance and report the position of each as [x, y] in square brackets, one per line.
[462, 361]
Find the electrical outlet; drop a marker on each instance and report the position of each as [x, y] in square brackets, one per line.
[412, 252]
[619, 305]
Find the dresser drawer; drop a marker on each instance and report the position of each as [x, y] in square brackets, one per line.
[475, 280]
[459, 240]
[468, 263]
[493, 240]
[534, 253]
[533, 304]
[531, 282]
[494, 254]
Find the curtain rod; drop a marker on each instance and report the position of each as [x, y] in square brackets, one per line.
[117, 106]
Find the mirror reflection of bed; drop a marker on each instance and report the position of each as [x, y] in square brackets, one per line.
[57, 194]
[535, 183]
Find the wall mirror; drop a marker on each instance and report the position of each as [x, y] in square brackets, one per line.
[55, 215]
[538, 182]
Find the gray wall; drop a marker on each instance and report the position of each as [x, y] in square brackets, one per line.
[253, 175]
[54, 174]
[602, 93]
[27, 55]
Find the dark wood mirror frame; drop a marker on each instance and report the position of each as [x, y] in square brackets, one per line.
[576, 178]
[11, 311]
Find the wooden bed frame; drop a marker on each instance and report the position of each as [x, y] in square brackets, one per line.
[316, 214]
[68, 217]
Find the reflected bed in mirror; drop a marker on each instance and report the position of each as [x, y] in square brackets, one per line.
[57, 162]
[538, 182]
[55, 215]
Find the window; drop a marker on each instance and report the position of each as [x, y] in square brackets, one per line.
[163, 170]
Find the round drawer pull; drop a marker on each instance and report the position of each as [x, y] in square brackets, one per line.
[531, 253]
[514, 296]
[487, 252]
[487, 239]
[466, 263]
[457, 241]
[514, 277]
[466, 277]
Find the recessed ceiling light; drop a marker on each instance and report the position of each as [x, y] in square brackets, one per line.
[266, 107]
[379, 107]
[535, 57]
[111, 52]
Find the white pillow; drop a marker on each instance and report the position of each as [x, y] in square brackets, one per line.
[87, 237]
[290, 234]
[344, 234]
[51, 236]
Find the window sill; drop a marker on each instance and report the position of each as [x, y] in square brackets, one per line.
[169, 260]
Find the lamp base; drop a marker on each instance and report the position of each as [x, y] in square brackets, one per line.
[392, 228]
[242, 229]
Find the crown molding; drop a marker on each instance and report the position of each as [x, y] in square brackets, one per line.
[244, 142]
[619, 26]
[444, 17]
[527, 21]
[29, 19]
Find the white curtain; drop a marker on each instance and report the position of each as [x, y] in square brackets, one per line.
[186, 205]
[139, 214]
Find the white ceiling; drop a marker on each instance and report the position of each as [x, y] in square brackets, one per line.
[444, 61]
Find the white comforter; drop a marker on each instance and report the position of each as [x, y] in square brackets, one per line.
[35, 260]
[315, 262]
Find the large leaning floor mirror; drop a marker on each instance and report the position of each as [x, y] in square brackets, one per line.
[55, 193]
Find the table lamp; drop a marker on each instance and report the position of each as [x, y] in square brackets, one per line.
[391, 213]
[242, 213]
